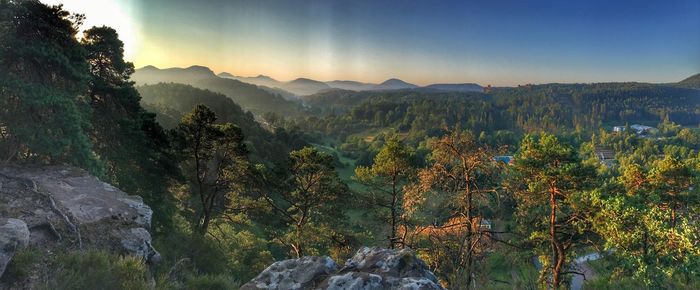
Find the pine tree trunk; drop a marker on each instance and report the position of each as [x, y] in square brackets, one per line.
[557, 257]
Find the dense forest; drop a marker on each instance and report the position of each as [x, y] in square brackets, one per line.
[506, 189]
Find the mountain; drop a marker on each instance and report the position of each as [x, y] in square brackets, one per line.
[467, 87]
[350, 85]
[249, 96]
[298, 87]
[261, 80]
[304, 86]
[394, 84]
[152, 75]
[691, 82]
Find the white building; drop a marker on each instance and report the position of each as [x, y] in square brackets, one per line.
[641, 129]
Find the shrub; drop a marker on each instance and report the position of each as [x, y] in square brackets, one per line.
[97, 270]
[211, 282]
[21, 265]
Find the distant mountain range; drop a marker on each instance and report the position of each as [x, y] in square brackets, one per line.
[292, 90]
[258, 99]
[304, 86]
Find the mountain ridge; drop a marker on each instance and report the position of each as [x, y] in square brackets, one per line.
[252, 97]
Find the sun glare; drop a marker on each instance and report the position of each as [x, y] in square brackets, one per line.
[109, 13]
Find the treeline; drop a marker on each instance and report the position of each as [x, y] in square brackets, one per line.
[553, 107]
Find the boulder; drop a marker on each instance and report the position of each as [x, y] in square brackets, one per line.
[293, 274]
[137, 242]
[391, 269]
[368, 269]
[14, 235]
[67, 204]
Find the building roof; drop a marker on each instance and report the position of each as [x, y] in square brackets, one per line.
[604, 153]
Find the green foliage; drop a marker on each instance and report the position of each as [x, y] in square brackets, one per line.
[211, 282]
[214, 163]
[22, 264]
[385, 181]
[311, 204]
[43, 117]
[173, 101]
[132, 145]
[97, 270]
[246, 253]
[646, 216]
[549, 210]
[557, 108]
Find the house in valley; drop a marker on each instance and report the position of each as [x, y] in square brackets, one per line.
[604, 155]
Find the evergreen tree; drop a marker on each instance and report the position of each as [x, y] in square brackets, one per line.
[464, 176]
[214, 163]
[43, 75]
[385, 180]
[647, 217]
[312, 204]
[134, 148]
[552, 177]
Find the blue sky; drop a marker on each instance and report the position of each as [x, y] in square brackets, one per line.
[489, 42]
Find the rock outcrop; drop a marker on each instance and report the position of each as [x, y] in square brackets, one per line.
[370, 268]
[14, 235]
[65, 208]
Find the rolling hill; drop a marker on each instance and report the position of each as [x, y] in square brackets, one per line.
[691, 82]
[468, 87]
[249, 96]
[394, 84]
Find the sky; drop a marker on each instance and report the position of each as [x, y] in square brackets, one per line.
[500, 42]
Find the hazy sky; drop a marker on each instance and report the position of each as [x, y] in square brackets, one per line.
[489, 42]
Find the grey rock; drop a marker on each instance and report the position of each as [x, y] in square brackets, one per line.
[398, 269]
[67, 204]
[354, 280]
[14, 235]
[85, 198]
[303, 273]
[137, 242]
[369, 269]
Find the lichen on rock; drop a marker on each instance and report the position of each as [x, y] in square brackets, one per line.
[368, 269]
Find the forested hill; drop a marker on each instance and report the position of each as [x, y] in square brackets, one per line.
[595, 105]
[692, 82]
[342, 100]
[172, 101]
[550, 107]
[251, 97]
